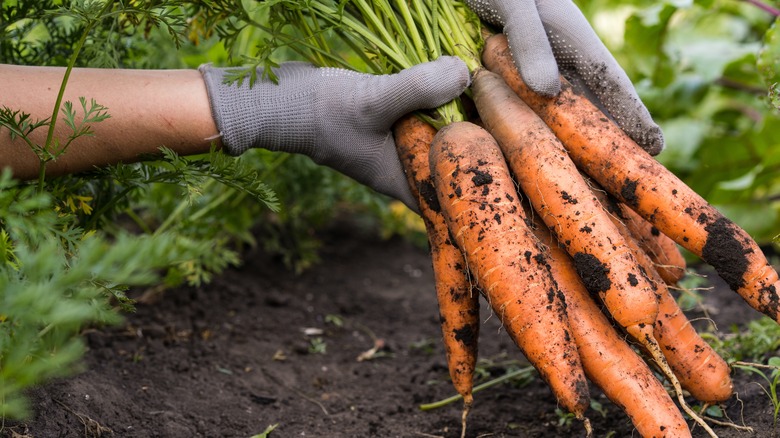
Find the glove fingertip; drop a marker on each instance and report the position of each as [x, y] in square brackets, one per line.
[453, 76]
[543, 81]
[538, 68]
[427, 85]
[652, 140]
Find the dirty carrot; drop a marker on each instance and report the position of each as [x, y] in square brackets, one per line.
[609, 361]
[603, 151]
[663, 251]
[479, 201]
[700, 370]
[565, 202]
[458, 302]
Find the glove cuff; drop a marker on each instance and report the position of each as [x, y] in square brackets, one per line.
[262, 115]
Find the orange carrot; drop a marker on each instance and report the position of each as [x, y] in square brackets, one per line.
[566, 204]
[701, 371]
[608, 360]
[481, 206]
[603, 151]
[458, 303]
[663, 251]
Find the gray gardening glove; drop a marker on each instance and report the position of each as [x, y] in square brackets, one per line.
[547, 35]
[339, 118]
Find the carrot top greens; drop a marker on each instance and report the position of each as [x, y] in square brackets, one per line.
[378, 36]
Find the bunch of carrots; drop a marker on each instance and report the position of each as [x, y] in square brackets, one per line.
[563, 223]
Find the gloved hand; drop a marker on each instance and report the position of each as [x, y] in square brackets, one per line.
[547, 35]
[339, 118]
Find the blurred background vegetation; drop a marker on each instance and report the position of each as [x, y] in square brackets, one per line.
[70, 249]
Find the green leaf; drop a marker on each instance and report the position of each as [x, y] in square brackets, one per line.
[645, 33]
[267, 432]
[768, 62]
[683, 136]
[743, 182]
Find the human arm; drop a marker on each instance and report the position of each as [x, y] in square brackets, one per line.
[148, 108]
[551, 37]
[339, 118]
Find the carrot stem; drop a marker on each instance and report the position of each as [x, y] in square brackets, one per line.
[522, 372]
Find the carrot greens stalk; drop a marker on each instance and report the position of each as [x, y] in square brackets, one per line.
[391, 35]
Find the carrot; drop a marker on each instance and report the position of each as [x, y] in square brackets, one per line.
[482, 209]
[603, 151]
[609, 361]
[458, 304]
[701, 371]
[566, 204]
[663, 251]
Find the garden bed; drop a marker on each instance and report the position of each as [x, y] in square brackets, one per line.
[261, 346]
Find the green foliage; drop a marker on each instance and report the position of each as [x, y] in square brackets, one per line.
[54, 282]
[318, 345]
[752, 342]
[705, 71]
[71, 246]
[267, 432]
[769, 63]
[171, 219]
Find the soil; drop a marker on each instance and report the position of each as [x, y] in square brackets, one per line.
[262, 346]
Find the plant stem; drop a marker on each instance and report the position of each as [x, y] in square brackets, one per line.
[431, 38]
[417, 43]
[60, 95]
[177, 212]
[764, 7]
[356, 27]
[522, 372]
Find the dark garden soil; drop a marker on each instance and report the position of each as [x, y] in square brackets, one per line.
[260, 346]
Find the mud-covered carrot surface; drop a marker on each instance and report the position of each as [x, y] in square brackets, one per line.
[482, 208]
[604, 152]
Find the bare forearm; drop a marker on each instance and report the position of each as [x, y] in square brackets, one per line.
[148, 108]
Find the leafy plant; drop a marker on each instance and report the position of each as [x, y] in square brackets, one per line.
[752, 342]
[49, 291]
[317, 345]
[72, 246]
